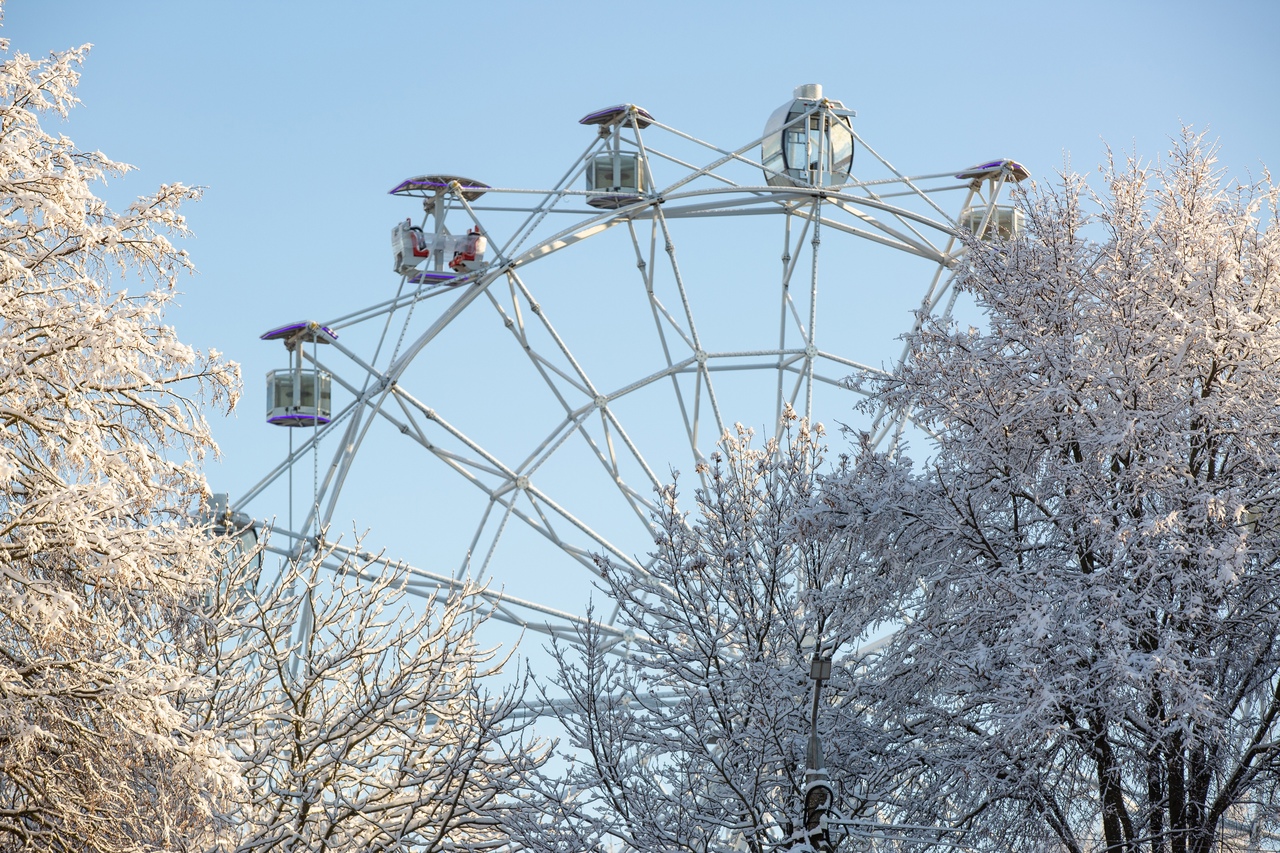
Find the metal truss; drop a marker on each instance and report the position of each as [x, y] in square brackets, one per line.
[687, 183]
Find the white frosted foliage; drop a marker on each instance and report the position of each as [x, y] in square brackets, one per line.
[373, 732]
[1088, 561]
[100, 433]
[691, 733]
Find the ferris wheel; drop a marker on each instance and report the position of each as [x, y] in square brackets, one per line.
[541, 360]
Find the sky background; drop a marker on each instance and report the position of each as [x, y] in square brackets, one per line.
[298, 118]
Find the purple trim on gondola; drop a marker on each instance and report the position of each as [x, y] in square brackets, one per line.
[299, 420]
[294, 328]
[433, 278]
[421, 185]
[1015, 169]
[609, 114]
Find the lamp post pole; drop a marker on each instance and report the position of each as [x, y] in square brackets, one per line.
[819, 793]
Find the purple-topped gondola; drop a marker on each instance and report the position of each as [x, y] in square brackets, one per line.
[299, 396]
[994, 169]
[427, 186]
[610, 115]
[304, 331]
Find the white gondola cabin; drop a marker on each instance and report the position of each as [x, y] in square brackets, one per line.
[808, 142]
[298, 396]
[1001, 222]
[462, 253]
[615, 178]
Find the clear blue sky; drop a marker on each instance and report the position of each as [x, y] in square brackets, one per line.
[298, 118]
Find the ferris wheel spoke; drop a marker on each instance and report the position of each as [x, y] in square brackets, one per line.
[708, 172]
[697, 414]
[575, 418]
[607, 460]
[800, 326]
[611, 417]
[582, 527]
[784, 291]
[660, 312]
[704, 377]
[795, 389]
[608, 443]
[792, 251]
[541, 523]
[336, 474]
[493, 542]
[386, 307]
[548, 202]
[541, 314]
[382, 338]
[729, 156]
[850, 364]
[921, 243]
[711, 398]
[805, 373]
[670, 247]
[517, 481]
[465, 566]
[540, 362]
[908, 182]
[412, 427]
[423, 583]
[558, 436]
[434, 416]
[465, 465]
[883, 233]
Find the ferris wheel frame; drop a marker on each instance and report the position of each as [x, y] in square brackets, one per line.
[812, 204]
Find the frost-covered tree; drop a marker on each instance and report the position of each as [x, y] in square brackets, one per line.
[1090, 559]
[692, 734]
[100, 571]
[374, 732]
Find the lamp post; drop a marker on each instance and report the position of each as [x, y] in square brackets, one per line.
[819, 793]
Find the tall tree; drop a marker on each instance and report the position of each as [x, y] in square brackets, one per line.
[692, 733]
[100, 571]
[1090, 558]
[374, 730]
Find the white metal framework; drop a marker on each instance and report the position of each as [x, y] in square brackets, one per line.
[550, 355]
